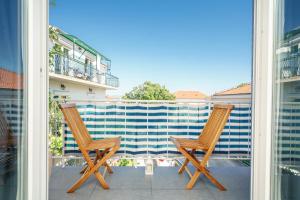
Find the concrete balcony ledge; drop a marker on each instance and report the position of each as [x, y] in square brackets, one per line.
[75, 80]
[128, 183]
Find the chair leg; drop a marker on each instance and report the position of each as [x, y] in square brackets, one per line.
[193, 180]
[214, 180]
[100, 163]
[84, 177]
[100, 155]
[93, 169]
[199, 169]
[79, 182]
[101, 180]
[182, 168]
[108, 168]
[86, 167]
[184, 165]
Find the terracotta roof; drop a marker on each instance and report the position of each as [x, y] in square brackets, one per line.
[244, 89]
[189, 95]
[10, 80]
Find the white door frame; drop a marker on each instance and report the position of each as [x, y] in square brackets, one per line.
[263, 35]
[36, 60]
[37, 98]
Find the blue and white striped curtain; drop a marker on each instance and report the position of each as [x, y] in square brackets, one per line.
[145, 128]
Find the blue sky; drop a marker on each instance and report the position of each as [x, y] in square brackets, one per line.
[182, 44]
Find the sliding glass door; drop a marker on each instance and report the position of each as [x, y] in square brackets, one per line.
[12, 101]
[286, 102]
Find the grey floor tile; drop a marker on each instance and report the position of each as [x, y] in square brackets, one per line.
[233, 178]
[128, 178]
[132, 184]
[80, 194]
[182, 195]
[231, 196]
[121, 194]
[168, 178]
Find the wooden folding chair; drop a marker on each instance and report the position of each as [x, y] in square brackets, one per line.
[206, 142]
[104, 148]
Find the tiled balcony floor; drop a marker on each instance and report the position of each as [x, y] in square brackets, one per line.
[128, 183]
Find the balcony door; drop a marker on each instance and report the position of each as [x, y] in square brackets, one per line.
[23, 99]
[285, 163]
[13, 133]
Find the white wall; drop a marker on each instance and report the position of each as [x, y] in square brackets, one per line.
[190, 100]
[237, 97]
[76, 91]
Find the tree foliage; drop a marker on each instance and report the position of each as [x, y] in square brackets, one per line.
[55, 116]
[53, 33]
[57, 48]
[126, 163]
[55, 126]
[149, 91]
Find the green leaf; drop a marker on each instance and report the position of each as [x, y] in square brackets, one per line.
[149, 91]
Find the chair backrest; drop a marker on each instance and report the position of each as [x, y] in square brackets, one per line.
[215, 125]
[75, 123]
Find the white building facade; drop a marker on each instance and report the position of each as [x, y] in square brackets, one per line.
[77, 70]
[241, 93]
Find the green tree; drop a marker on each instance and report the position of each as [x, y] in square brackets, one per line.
[55, 126]
[55, 116]
[57, 48]
[149, 91]
[126, 163]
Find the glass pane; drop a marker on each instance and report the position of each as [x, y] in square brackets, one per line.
[286, 129]
[12, 134]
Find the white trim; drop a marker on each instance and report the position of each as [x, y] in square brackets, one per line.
[37, 64]
[79, 81]
[262, 99]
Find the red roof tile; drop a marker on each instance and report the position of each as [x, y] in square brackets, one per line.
[10, 80]
[189, 95]
[244, 89]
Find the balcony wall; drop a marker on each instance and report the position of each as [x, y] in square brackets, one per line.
[146, 126]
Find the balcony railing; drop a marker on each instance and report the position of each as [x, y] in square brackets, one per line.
[77, 69]
[146, 127]
[290, 65]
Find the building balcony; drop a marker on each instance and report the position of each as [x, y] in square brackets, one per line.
[72, 70]
[290, 67]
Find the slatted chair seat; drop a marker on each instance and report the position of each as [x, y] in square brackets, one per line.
[103, 143]
[104, 148]
[206, 142]
[189, 143]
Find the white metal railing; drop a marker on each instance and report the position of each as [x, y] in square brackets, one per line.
[72, 67]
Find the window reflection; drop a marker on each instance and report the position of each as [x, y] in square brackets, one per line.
[11, 100]
[286, 133]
